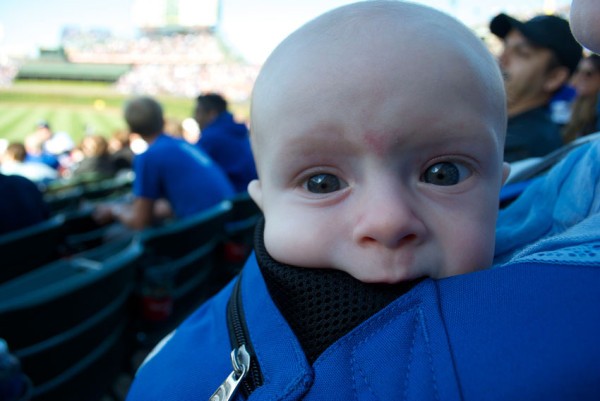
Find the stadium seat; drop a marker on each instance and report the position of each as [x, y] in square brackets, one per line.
[239, 231]
[178, 270]
[180, 237]
[66, 323]
[82, 232]
[64, 201]
[31, 247]
[108, 189]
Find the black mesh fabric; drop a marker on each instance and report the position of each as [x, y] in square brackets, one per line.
[321, 305]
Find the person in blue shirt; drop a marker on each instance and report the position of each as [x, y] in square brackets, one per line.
[226, 141]
[170, 170]
[372, 277]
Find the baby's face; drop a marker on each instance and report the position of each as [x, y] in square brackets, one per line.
[384, 178]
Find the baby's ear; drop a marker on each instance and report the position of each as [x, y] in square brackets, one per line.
[255, 191]
[505, 171]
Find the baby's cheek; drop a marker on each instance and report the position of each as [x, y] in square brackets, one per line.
[475, 252]
[290, 241]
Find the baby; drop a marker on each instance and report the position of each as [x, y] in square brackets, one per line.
[378, 131]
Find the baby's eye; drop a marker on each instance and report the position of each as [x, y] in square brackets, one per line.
[445, 174]
[324, 184]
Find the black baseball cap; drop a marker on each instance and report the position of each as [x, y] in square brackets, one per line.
[547, 31]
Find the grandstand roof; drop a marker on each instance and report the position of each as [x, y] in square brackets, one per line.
[71, 71]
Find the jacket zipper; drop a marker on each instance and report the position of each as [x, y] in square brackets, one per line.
[246, 374]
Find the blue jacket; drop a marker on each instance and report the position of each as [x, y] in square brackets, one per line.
[526, 331]
[228, 144]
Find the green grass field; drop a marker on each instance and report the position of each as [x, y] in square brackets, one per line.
[74, 106]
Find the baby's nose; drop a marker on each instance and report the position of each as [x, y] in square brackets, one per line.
[388, 218]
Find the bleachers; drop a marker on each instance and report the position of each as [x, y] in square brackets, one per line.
[179, 270]
[66, 323]
[239, 233]
[28, 248]
[76, 322]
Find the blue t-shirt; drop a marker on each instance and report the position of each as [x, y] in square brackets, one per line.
[181, 173]
[228, 144]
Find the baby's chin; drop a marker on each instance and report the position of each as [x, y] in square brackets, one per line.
[381, 275]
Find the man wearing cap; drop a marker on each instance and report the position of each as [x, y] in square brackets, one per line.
[538, 58]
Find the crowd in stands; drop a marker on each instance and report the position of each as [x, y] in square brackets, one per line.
[175, 164]
[8, 71]
[45, 156]
[177, 64]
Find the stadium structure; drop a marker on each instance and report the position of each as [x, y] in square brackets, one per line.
[177, 51]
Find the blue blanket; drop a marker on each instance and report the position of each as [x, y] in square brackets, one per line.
[558, 212]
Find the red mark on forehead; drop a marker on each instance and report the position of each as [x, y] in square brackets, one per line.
[375, 142]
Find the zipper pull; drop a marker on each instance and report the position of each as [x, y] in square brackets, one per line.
[240, 359]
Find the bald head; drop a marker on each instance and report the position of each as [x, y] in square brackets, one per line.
[585, 15]
[420, 50]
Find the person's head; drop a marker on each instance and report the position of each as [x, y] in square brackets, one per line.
[15, 152]
[118, 140]
[173, 127]
[371, 158]
[586, 79]
[43, 130]
[94, 146]
[34, 144]
[538, 58]
[208, 107]
[584, 17]
[144, 116]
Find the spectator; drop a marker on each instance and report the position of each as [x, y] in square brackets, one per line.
[170, 169]
[226, 141]
[173, 127]
[97, 162]
[538, 57]
[14, 162]
[120, 150]
[34, 146]
[584, 113]
[21, 204]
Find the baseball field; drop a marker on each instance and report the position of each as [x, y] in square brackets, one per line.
[75, 107]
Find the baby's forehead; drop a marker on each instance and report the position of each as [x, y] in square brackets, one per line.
[368, 36]
[420, 48]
